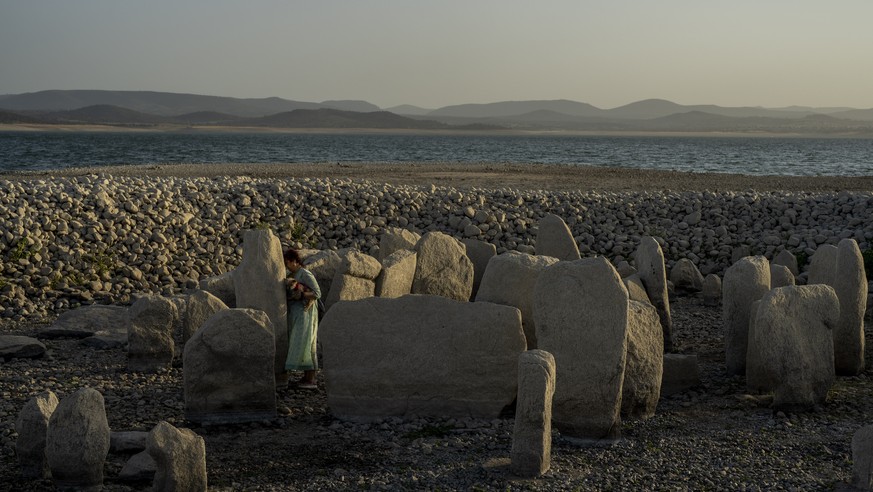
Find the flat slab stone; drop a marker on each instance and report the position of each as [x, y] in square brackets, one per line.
[20, 347]
[87, 321]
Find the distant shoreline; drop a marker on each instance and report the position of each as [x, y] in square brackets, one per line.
[199, 129]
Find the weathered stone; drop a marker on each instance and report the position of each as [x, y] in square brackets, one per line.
[644, 366]
[636, 291]
[790, 346]
[650, 263]
[150, 334]
[862, 458]
[201, 305]
[77, 440]
[398, 271]
[127, 441]
[681, 373]
[787, 259]
[21, 347]
[324, 266]
[850, 283]
[31, 426]
[442, 267]
[823, 265]
[712, 290]
[395, 239]
[88, 321]
[532, 434]
[686, 277]
[780, 276]
[575, 303]
[625, 270]
[349, 288]
[222, 287]
[259, 283]
[357, 264]
[228, 372]
[555, 239]
[510, 279]
[420, 355]
[745, 282]
[180, 458]
[141, 467]
[480, 253]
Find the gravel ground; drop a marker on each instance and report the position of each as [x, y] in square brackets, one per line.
[714, 437]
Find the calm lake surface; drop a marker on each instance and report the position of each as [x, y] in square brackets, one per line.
[745, 155]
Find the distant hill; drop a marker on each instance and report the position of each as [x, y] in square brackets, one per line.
[514, 108]
[8, 117]
[359, 106]
[104, 114]
[207, 118]
[409, 110]
[333, 118]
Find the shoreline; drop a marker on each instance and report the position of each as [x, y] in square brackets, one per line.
[553, 177]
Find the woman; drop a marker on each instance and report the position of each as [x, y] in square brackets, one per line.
[303, 294]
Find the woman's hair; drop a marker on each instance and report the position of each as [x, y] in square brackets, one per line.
[292, 255]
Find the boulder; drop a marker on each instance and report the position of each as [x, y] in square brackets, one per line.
[650, 263]
[480, 253]
[228, 371]
[862, 458]
[788, 260]
[850, 284]
[180, 458]
[395, 239]
[510, 279]
[532, 434]
[823, 265]
[222, 287]
[580, 311]
[644, 365]
[681, 373]
[20, 347]
[140, 467]
[712, 290]
[636, 291]
[31, 427]
[150, 345]
[625, 269]
[790, 347]
[349, 288]
[555, 239]
[420, 356]
[77, 440]
[324, 266]
[686, 277]
[201, 306]
[259, 283]
[745, 282]
[398, 271]
[361, 265]
[442, 267]
[87, 321]
[780, 276]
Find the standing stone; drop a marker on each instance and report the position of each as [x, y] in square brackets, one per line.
[150, 346]
[712, 290]
[361, 265]
[745, 282]
[228, 369]
[31, 427]
[636, 291]
[823, 265]
[532, 435]
[780, 276]
[787, 259]
[650, 264]
[580, 311]
[201, 305]
[349, 288]
[398, 271]
[790, 346]
[510, 279]
[420, 356]
[555, 239]
[644, 366]
[395, 239]
[480, 253]
[862, 458]
[686, 277]
[324, 266]
[221, 286]
[442, 267]
[77, 440]
[850, 283]
[180, 456]
[259, 283]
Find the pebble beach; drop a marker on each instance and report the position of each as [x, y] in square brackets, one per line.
[105, 235]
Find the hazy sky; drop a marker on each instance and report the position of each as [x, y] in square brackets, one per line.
[432, 54]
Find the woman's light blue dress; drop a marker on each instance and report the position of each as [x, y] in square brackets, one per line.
[303, 328]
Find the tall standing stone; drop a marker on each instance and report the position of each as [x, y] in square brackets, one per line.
[180, 456]
[227, 369]
[532, 435]
[650, 265]
[862, 458]
[850, 283]
[259, 283]
[745, 282]
[201, 306]
[31, 426]
[555, 239]
[510, 280]
[644, 366]
[788, 260]
[442, 267]
[398, 271]
[480, 253]
[780, 276]
[580, 311]
[77, 440]
[823, 265]
[150, 345]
